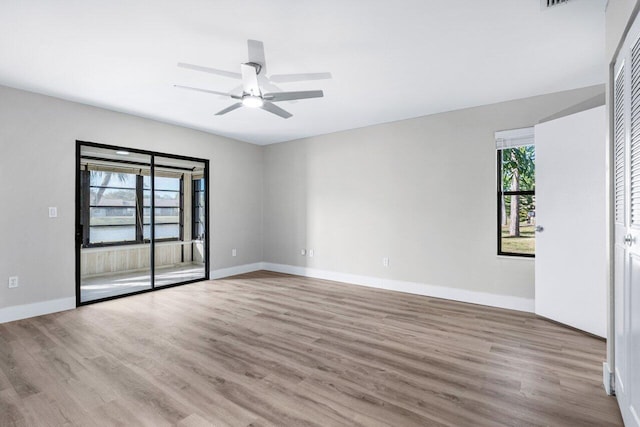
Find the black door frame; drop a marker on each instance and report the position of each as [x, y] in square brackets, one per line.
[79, 230]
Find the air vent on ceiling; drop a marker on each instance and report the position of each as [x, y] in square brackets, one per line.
[545, 4]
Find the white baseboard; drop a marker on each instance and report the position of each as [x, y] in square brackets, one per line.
[607, 378]
[17, 312]
[238, 269]
[456, 294]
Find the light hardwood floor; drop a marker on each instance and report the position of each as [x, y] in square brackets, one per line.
[273, 349]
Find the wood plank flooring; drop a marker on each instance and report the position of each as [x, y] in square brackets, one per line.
[272, 349]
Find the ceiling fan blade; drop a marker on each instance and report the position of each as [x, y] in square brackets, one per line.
[229, 108]
[250, 79]
[288, 78]
[273, 108]
[256, 53]
[210, 70]
[215, 92]
[290, 96]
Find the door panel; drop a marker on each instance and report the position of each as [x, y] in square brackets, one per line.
[571, 285]
[633, 336]
[626, 217]
[620, 229]
[114, 258]
[177, 255]
[631, 300]
[620, 343]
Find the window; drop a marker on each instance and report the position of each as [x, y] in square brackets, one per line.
[198, 209]
[516, 193]
[112, 207]
[115, 214]
[168, 204]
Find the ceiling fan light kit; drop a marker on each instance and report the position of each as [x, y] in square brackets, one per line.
[252, 94]
[252, 101]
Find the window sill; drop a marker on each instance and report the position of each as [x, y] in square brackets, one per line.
[516, 257]
[111, 248]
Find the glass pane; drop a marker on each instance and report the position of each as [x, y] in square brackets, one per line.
[199, 202]
[164, 198]
[112, 216]
[163, 231]
[180, 259]
[112, 234]
[167, 198]
[113, 179]
[518, 168]
[167, 183]
[162, 183]
[199, 231]
[167, 215]
[163, 215]
[112, 197]
[518, 219]
[123, 265]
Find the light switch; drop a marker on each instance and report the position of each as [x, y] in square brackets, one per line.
[53, 212]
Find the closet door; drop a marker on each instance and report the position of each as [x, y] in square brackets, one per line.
[626, 216]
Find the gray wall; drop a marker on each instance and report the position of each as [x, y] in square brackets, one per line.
[421, 192]
[617, 16]
[37, 170]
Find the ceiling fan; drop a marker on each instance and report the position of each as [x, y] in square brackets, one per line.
[255, 81]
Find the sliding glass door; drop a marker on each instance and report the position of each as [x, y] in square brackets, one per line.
[141, 221]
[179, 256]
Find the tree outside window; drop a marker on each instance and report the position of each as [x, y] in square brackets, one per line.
[516, 200]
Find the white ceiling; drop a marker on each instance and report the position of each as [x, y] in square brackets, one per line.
[389, 60]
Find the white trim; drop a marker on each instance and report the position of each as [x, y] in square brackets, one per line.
[456, 294]
[17, 312]
[515, 138]
[516, 258]
[607, 378]
[237, 269]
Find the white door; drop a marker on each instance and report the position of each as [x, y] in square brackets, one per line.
[626, 217]
[571, 285]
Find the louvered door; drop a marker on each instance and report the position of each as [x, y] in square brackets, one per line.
[626, 216]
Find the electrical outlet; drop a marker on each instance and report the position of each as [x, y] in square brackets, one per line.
[234, 252]
[311, 253]
[53, 212]
[13, 282]
[303, 252]
[385, 261]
